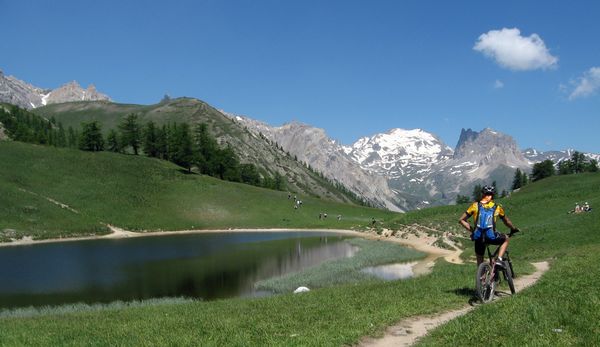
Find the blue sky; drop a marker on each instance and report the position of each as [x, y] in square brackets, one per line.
[354, 68]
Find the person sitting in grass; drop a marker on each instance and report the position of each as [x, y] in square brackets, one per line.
[485, 213]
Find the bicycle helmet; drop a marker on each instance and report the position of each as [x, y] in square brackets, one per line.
[488, 190]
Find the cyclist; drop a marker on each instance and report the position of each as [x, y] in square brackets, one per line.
[486, 212]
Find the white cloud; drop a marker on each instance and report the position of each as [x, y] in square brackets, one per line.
[498, 84]
[587, 84]
[511, 50]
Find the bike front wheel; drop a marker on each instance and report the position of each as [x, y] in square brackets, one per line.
[485, 283]
[509, 278]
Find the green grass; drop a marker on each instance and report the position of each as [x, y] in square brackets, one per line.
[138, 193]
[565, 298]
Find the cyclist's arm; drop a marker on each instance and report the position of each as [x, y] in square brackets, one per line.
[507, 222]
[463, 221]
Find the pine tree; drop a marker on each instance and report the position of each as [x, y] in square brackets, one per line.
[592, 166]
[161, 142]
[151, 140]
[183, 153]
[578, 162]
[72, 138]
[542, 170]
[131, 133]
[206, 148]
[112, 141]
[227, 167]
[61, 136]
[91, 137]
[249, 174]
[517, 180]
[565, 167]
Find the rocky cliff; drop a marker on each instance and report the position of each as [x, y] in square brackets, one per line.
[22, 94]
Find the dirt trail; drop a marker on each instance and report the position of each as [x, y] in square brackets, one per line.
[408, 331]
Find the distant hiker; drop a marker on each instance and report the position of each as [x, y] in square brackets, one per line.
[289, 196]
[485, 213]
[320, 215]
[577, 208]
[339, 217]
[324, 215]
[586, 207]
[373, 221]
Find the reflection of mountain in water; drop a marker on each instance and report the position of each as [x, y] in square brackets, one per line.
[303, 257]
[206, 266]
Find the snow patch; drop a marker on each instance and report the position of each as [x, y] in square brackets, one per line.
[45, 98]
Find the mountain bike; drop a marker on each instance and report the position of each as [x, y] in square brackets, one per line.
[489, 274]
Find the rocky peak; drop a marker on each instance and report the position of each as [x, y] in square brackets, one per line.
[22, 94]
[485, 142]
[72, 91]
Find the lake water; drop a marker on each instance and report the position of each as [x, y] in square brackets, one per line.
[206, 266]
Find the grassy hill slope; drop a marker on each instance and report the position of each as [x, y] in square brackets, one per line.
[139, 193]
[249, 147]
[566, 298]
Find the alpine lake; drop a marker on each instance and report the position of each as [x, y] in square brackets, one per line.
[204, 266]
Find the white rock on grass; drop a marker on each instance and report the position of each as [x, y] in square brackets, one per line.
[301, 290]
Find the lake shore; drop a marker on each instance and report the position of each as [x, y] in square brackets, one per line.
[422, 244]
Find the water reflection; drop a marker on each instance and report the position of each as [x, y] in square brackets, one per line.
[392, 271]
[206, 266]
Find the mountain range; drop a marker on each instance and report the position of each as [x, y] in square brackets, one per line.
[16, 92]
[399, 170]
[419, 168]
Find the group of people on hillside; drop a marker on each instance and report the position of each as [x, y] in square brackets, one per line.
[581, 208]
[297, 202]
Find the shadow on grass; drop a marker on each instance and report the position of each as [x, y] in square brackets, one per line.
[186, 172]
[466, 292]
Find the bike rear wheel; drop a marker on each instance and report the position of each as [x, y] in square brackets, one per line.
[485, 283]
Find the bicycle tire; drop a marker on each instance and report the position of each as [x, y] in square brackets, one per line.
[485, 283]
[512, 272]
[509, 278]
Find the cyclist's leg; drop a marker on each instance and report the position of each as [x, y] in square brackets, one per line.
[479, 250]
[500, 240]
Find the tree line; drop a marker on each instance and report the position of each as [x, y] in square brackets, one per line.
[578, 163]
[176, 142]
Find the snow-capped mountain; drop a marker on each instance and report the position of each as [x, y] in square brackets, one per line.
[312, 145]
[23, 94]
[418, 164]
[399, 153]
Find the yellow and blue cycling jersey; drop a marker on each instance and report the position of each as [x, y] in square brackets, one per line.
[473, 210]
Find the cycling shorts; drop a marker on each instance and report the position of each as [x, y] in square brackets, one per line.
[480, 243]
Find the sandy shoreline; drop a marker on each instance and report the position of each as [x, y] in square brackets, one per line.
[118, 233]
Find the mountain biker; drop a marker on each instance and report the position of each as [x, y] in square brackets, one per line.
[486, 212]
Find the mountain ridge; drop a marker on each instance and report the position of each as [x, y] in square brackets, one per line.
[17, 92]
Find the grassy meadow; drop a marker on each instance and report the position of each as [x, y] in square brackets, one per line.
[562, 309]
[139, 193]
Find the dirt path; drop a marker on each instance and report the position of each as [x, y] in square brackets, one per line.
[408, 331]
